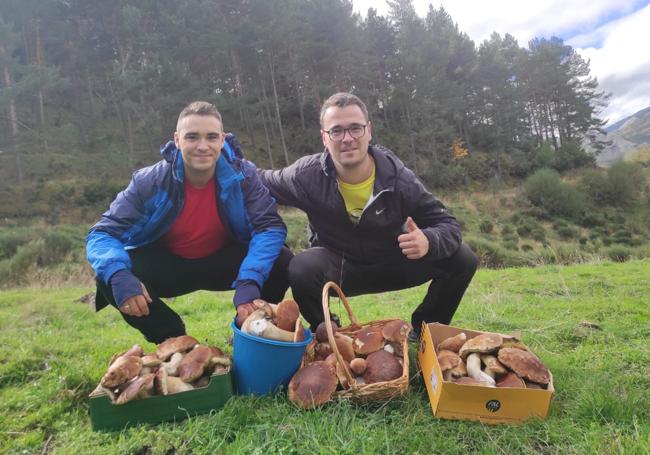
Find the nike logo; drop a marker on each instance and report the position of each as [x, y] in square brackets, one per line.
[379, 212]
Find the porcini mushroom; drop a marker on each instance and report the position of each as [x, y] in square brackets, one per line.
[286, 315]
[256, 315]
[358, 366]
[173, 345]
[313, 385]
[368, 340]
[483, 344]
[171, 366]
[473, 364]
[194, 363]
[122, 370]
[177, 385]
[135, 388]
[493, 367]
[511, 380]
[448, 360]
[381, 366]
[135, 350]
[454, 343]
[466, 380]
[160, 381]
[266, 329]
[395, 331]
[526, 364]
[321, 331]
[345, 346]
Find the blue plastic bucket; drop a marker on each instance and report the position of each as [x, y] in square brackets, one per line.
[262, 366]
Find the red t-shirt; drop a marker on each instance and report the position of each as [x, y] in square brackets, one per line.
[198, 231]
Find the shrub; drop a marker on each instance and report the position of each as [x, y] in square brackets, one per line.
[489, 253]
[545, 189]
[511, 245]
[486, 226]
[619, 253]
[526, 247]
[507, 229]
[567, 232]
[56, 245]
[538, 234]
[10, 241]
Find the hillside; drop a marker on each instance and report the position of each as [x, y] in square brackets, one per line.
[628, 136]
[588, 323]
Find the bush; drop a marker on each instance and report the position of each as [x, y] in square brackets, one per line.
[486, 226]
[526, 247]
[489, 253]
[619, 253]
[56, 245]
[507, 229]
[567, 232]
[10, 241]
[545, 189]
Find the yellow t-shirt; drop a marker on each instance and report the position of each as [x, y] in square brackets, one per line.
[356, 196]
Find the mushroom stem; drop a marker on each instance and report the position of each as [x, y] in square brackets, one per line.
[474, 369]
[266, 329]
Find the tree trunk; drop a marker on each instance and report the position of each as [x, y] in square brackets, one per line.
[412, 138]
[40, 97]
[268, 139]
[13, 116]
[277, 110]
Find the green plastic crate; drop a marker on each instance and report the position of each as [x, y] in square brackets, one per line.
[104, 415]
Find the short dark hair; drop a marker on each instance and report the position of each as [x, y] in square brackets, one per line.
[199, 108]
[343, 99]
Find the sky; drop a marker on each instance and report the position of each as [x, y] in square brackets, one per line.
[613, 35]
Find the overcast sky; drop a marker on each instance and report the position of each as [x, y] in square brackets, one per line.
[613, 34]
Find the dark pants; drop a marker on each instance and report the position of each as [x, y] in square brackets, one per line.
[167, 275]
[311, 269]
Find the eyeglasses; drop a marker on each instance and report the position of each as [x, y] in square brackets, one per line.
[338, 133]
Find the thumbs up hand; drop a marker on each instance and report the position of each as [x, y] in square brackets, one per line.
[414, 244]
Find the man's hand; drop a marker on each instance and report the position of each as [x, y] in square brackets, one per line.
[138, 305]
[243, 311]
[414, 243]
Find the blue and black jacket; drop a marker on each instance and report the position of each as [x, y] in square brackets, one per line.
[148, 207]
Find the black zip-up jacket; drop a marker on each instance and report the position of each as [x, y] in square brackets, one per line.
[310, 184]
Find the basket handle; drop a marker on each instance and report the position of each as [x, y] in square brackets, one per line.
[330, 331]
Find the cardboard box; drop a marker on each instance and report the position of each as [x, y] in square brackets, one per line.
[486, 404]
[104, 415]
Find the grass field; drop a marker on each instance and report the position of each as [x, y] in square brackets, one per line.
[53, 352]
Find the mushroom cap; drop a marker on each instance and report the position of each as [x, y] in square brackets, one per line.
[151, 360]
[493, 364]
[358, 366]
[533, 385]
[345, 346]
[396, 331]
[194, 363]
[526, 364]
[484, 343]
[122, 370]
[322, 350]
[459, 370]
[177, 385]
[175, 344]
[286, 315]
[511, 380]
[368, 340]
[321, 330]
[448, 360]
[298, 332]
[466, 380]
[135, 350]
[381, 366]
[453, 343]
[135, 387]
[313, 385]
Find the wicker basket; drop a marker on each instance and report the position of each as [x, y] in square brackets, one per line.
[365, 392]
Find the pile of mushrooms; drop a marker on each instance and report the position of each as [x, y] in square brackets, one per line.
[374, 354]
[279, 322]
[178, 365]
[491, 360]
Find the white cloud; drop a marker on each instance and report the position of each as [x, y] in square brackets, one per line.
[608, 33]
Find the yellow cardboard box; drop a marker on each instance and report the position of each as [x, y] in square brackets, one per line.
[470, 402]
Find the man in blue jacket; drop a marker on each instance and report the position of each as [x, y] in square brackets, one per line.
[198, 219]
[374, 226]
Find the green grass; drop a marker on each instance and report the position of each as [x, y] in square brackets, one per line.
[53, 352]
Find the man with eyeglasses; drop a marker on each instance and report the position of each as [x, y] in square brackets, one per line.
[198, 219]
[373, 225]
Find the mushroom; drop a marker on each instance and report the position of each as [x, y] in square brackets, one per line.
[381, 366]
[194, 363]
[286, 315]
[526, 364]
[151, 360]
[136, 388]
[465, 380]
[395, 331]
[266, 329]
[270, 309]
[313, 385]
[358, 366]
[484, 344]
[533, 385]
[171, 366]
[256, 315]
[173, 345]
[321, 330]
[177, 385]
[160, 381]
[368, 340]
[203, 381]
[299, 332]
[511, 380]
[122, 370]
[493, 367]
[454, 343]
[135, 350]
[345, 346]
[322, 350]
[448, 360]
[474, 369]
[340, 370]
